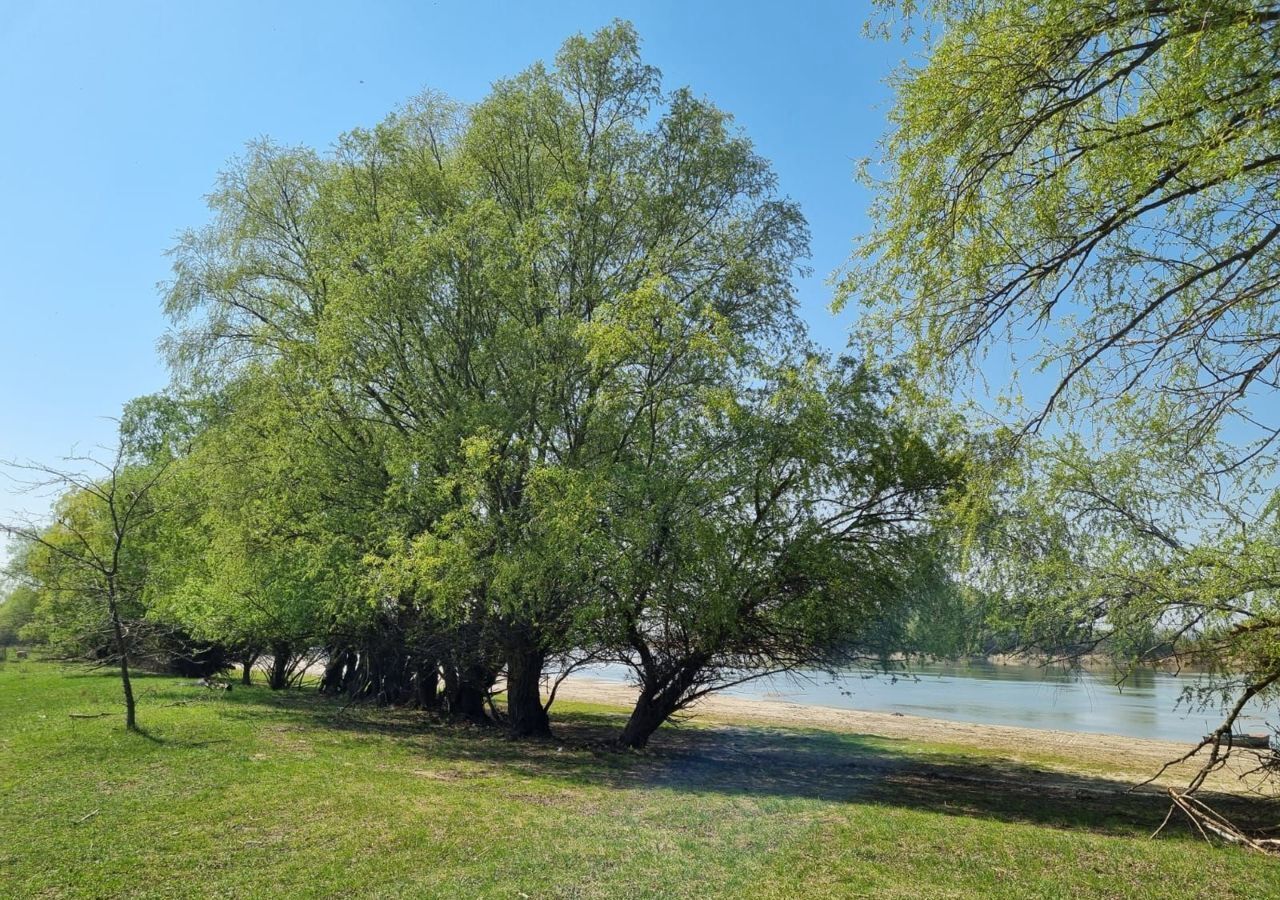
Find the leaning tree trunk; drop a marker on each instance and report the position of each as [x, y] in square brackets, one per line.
[122, 651]
[646, 717]
[656, 703]
[526, 715]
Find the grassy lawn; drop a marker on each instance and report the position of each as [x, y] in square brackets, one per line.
[255, 794]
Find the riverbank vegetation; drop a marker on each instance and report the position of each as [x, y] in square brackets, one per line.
[1088, 191]
[487, 392]
[260, 792]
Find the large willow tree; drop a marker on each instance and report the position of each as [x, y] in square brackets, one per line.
[1086, 196]
[528, 316]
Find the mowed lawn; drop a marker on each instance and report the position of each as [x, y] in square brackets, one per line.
[258, 794]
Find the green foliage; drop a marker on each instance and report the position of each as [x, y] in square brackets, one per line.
[486, 388]
[1091, 187]
[519, 335]
[1097, 180]
[253, 556]
[79, 563]
[787, 526]
[17, 609]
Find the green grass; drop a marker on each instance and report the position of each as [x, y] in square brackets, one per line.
[256, 794]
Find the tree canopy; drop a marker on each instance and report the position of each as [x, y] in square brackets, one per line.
[486, 392]
[1088, 191]
[1099, 179]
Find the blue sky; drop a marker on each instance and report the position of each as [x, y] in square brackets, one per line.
[118, 117]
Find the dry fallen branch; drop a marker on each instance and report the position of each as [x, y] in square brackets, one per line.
[1208, 822]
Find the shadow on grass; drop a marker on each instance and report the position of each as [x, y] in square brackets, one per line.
[762, 761]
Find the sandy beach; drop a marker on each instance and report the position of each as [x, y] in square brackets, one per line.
[1063, 749]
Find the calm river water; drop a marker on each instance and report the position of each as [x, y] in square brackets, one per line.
[1146, 705]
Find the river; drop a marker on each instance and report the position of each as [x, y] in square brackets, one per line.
[1147, 704]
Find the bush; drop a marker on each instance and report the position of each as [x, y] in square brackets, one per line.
[16, 610]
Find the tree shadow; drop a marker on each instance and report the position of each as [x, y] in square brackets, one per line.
[108, 671]
[826, 766]
[837, 767]
[147, 735]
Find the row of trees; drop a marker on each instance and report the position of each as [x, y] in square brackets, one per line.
[489, 392]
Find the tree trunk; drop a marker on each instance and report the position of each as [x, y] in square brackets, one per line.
[278, 675]
[655, 705]
[451, 680]
[468, 703]
[333, 682]
[130, 707]
[401, 688]
[465, 693]
[525, 713]
[246, 662]
[122, 651]
[426, 684]
[351, 675]
[646, 717]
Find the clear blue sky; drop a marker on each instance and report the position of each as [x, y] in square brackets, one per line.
[119, 115]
